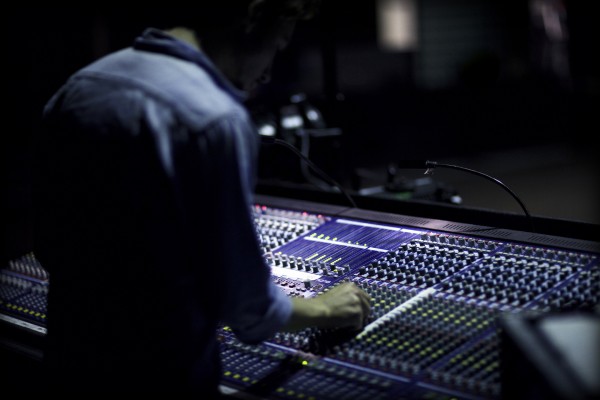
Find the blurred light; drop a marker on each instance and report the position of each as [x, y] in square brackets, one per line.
[266, 130]
[298, 98]
[312, 115]
[292, 122]
[551, 15]
[550, 38]
[397, 24]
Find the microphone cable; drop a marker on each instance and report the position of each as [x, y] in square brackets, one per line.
[272, 140]
[431, 165]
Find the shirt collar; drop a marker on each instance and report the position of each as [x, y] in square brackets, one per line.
[157, 41]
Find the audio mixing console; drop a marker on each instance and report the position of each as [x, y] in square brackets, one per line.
[437, 291]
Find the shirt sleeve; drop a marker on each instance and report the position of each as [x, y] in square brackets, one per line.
[250, 303]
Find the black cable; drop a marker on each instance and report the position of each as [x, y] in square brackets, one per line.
[430, 165]
[272, 140]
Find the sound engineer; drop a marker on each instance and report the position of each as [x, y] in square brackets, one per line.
[144, 176]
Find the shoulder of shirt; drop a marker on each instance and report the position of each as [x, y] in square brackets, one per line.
[180, 85]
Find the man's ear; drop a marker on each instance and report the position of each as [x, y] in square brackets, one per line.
[255, 12]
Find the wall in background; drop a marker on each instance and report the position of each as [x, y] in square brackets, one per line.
[475, 83]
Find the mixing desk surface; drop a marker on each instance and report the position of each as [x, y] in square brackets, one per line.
[438, 290]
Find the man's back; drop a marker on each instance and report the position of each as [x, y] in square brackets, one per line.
[145, 175]
[136, 174]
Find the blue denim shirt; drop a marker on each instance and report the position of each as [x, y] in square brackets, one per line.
[145, 178]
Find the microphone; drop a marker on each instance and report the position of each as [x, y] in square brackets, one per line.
[431, 165]
[274, 140]
[405, 164]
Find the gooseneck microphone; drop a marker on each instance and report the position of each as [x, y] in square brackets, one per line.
[313, 166]
[431, 165]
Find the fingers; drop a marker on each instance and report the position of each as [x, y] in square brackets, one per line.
[364, 305]
[349, 306]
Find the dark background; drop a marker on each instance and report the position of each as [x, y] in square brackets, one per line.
[479, 89]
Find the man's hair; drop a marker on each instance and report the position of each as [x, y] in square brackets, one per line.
[291, 9]
[208, 16]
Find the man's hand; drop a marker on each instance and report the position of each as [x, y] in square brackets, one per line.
[344, 306]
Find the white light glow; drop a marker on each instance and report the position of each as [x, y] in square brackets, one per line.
[266, 130]
[397, 24]
[292, 122]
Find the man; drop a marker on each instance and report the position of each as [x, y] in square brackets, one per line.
[145, 176]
